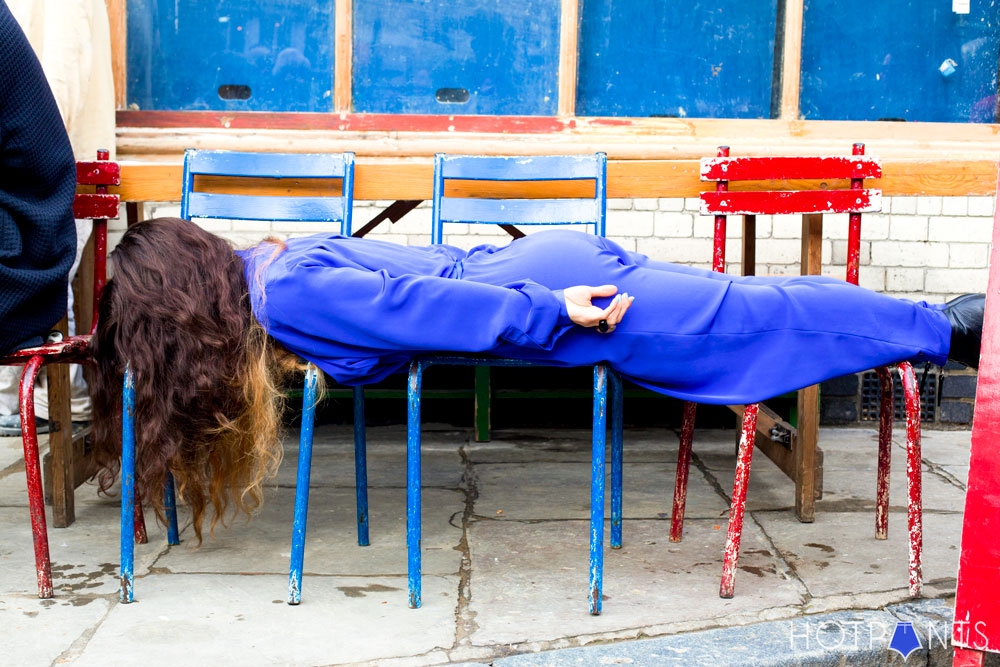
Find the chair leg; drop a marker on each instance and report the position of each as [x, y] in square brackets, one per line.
[483, 402]
[599, 444]
[127, 545]
[617, 455]
[33, 471]
[914, 505]
[884, 454]
[139, 523]
[170, 509]
[683, 466]
[302, 487]
[361, 466]
[737, 508]
[414, 383]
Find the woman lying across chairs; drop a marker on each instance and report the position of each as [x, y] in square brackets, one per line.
[208, 332]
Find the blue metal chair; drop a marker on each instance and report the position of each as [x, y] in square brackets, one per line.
[271, 201]
[589, 209]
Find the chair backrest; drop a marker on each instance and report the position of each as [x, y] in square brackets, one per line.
[774, 186]
[481, 199]
[98, 206]
[279, 186]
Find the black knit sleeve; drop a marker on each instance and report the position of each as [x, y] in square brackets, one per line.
[37, 183]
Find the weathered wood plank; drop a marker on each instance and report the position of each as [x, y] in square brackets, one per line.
[381, 179]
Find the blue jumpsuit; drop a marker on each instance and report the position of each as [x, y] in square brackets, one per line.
[361, 309]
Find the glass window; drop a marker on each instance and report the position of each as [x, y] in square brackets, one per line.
[678, 59]
[912, 60]
[244, 55]
[456, 57]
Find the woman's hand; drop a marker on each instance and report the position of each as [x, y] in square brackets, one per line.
[582, 311]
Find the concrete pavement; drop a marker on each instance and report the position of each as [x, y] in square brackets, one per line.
[505, 529]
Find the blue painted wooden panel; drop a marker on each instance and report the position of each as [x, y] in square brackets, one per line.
[913, 60]
[521, 168]
[521, 211]
[456, 56]
[246, 55]
[686, 59]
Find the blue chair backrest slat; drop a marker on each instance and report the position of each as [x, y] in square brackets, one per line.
[337, 207]
[520, 211]
[521, 168]
[267, 165]
[513, 211]
[279, 209]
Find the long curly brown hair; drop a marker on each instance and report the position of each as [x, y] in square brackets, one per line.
[206, 374]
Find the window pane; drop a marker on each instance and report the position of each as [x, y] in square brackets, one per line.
[246, 55]
[684, 59]
[456, 56]
[914, 60]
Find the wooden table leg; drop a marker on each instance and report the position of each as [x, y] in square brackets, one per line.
[61, 444]
[806, 489]
[749, 256]
[805, 455]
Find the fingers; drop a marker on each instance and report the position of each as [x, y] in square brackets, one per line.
[613, 314]
[582, 311]
[604, 290]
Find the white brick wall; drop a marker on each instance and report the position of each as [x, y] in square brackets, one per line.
[918, 247]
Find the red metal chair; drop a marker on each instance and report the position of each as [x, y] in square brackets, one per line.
[98, 206]
[764, 200]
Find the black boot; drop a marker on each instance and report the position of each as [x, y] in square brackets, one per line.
[965, 313]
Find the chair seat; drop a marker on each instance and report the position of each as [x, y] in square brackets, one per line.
[70, 349]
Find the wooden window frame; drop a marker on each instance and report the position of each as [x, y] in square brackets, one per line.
[942, 147]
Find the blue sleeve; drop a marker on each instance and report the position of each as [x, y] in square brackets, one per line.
[357, 308]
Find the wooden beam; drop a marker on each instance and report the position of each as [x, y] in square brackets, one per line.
[791, 63]
[118, 22]
[61, 442]
[932, 159]
[804, 453]
[569, 38]
[343, 55]
[410, 179]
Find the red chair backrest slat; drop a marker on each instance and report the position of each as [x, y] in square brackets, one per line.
[789, 168]
[98, 173]
[100, 206]
[777, 202]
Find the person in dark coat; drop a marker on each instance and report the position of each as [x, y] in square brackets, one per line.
[37, 184]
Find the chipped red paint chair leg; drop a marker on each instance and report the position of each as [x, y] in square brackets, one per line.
[738, 505]
[139, 523]
[914, 501]
[884, 454]
[914, 505]
[33, 471]
[683, 467]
